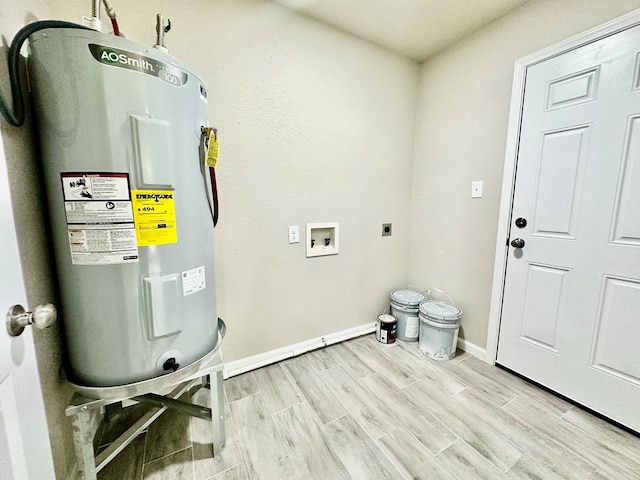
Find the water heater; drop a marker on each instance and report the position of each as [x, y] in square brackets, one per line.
[120, 126]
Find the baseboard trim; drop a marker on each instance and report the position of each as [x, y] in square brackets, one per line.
[472, 349]
[247, 364]
[244, 365]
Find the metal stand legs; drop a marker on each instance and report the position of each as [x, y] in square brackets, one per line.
[86, 413]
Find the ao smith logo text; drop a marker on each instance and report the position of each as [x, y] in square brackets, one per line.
[109, 56]
[156, 197]
[116, 57]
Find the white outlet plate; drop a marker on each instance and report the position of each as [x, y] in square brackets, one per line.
[294, 234]
[476, 189]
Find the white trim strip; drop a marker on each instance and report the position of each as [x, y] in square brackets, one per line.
[244, 365]
[238, 367]
[472, 349]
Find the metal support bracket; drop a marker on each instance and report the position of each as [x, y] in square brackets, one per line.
[176, 405]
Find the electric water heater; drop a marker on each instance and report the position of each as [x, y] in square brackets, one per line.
[120, 126]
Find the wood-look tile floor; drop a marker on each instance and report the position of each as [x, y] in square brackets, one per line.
[362, 410]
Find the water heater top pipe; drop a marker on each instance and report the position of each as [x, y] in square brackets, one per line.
[93, 22]
[111, 13]
[161, 29]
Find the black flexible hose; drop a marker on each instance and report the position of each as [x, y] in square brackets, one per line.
[16, 118]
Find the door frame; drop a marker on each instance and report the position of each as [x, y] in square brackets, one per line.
[612, 27]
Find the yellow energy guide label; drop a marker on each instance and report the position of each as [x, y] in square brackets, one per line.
[154, 215]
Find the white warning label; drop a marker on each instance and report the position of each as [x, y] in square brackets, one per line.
[95, 186]
[99, 218]
[193, 281]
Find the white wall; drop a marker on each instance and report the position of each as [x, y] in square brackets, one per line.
[461, 126]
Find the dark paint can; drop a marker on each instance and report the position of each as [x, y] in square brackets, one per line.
[386, 328]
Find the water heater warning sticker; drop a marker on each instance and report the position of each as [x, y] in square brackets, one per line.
[99, 215]
[155, 217]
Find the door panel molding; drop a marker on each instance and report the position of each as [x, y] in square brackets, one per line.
[511, 154]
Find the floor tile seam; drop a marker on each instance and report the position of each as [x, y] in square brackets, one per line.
[101, 429]
[221, 472]
[423, 410]
[411, 384]
[362, 377]
[619, 449]
[246, 396]
[390, 360]
[444, 371]
[369, 391]
[391, 459]
[405, 368]
[306, 400]
[325, 367]
[445, 466]
[549, 461]
[602, 465]
[284, 372]
[536, 393]
[510, 466]
[351, 354]
[363, 427]
[415, 371]
[375, 399]
[517, 423]
[491, 395]
[292, 379]
[144, 455]
[560, 443]
[193, 459]
[168, 455]
[477, 433]
[375, 441]
[303, 397]
[461, 358]
[243, 461]
[273, 412]
[285, 443]
[249, 374]
[495, 377]
[324, 425]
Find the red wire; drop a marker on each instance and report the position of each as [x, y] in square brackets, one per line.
[214, 194]
[114, 23]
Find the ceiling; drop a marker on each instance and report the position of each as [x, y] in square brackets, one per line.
[415, 28]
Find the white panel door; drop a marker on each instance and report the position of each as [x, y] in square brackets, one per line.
[571, 305]
[25, 451]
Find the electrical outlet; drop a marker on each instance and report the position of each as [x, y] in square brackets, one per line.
[294, 234]
[476, 189]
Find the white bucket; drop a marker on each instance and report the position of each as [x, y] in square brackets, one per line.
[386, 328]
[439, 325]
[404, 306]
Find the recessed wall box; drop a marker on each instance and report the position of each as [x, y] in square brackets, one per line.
[322, 239]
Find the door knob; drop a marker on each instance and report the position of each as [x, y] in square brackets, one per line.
[517, 243]
[17, 319]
